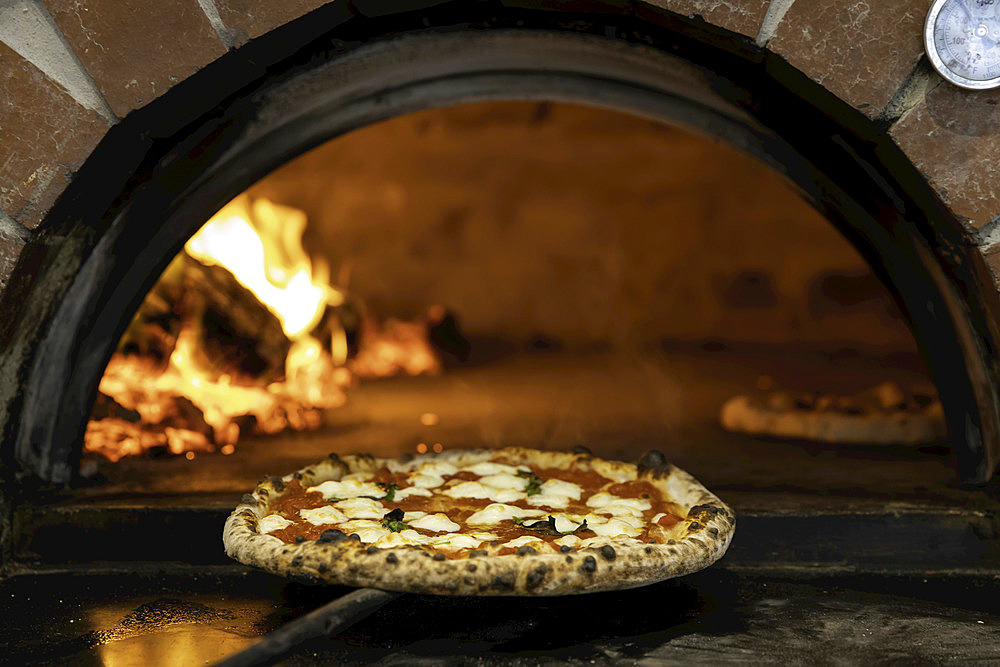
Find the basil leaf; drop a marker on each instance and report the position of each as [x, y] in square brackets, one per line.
[394, 521]
[390, 490]
[534, 482]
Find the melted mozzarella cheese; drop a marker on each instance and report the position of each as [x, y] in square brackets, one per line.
[454, 542]
[615, 527]
[521, 541]
[564, 524]
[410, 516]
[411, 491]
[505, 481]
[490, 468]
[372, 534]
[400, 539]
[361, 508]
[486, 537]
[497, 512]
[272, 522]
[601, 541]
[469, 490]
[426, 481]
[438, 523]
[437, 468]
[548, 500]
[358, 524]
[605, 503]
[568, 541]
[558, 487]
[350, 488]
[323, 515]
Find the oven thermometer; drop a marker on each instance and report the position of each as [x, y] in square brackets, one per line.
[962, 39]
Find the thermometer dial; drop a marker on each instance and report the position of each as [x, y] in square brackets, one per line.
[962, 38]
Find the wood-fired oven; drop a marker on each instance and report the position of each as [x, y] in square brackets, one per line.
[607, 216]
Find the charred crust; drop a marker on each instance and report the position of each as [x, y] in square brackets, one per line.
[589, 565]
[608, 552]
[536, 577]
[297, 561]
[355, 537]
[580, 449]
[277, 483]
[505, 582]
[475, 553]
[262, 491]
[648, 550]
[471, 567]
[671, 542]
[333, 457]
[300, 539]
[569, 559]
[565, 549]
[296, 475]
[391, 559]
[248, 499]
[695, 526]
[438, 556]
[714, 532]
[322, 567]
[526, 550]
[406, 458]
[372, 550]
[654, 464]
[331, 535]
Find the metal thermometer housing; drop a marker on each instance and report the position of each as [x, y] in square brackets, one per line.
[962, 39]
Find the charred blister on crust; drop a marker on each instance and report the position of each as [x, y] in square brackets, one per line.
[476, 553]
[565, 549]
[331, 535]
[526, 550]
[536, 577]
[276, 483]
[580, 449]
[505, 582]
[654, 464]
[589, 565]
[694, 527]
[391, 558]
[608, 552]
[471, 567]
[372, 550]
[248, 499]
[438, 556]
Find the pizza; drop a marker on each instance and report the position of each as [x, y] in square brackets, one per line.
[511, 521]
[885, 414]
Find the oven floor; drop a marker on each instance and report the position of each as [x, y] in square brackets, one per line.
[717, 616]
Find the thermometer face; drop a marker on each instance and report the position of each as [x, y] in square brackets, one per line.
[962, 38]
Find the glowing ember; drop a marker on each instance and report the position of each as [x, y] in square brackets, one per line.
[181, 401]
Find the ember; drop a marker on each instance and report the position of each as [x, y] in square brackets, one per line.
[242, 332]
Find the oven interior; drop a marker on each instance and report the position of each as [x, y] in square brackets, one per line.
[584, 277]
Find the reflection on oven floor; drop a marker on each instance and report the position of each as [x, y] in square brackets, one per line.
[719, 615]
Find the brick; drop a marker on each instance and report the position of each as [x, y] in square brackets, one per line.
[45, 136]
[740, 16]
[253, 18]
[952, 137]
[862, 52]
[136, 50]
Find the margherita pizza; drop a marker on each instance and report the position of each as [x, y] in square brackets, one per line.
[500, 522]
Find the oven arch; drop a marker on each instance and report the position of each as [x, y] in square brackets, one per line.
[840, 163]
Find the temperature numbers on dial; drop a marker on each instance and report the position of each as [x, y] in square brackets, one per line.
[967, 37]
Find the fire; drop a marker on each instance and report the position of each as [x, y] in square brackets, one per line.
[189, 404]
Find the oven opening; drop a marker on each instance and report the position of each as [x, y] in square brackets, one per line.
[513, 273]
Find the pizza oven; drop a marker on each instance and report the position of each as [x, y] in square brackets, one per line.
[543, 224]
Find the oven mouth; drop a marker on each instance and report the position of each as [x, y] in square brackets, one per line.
[924, 265]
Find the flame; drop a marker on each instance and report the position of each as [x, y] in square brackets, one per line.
[261, 245]
[186, 405]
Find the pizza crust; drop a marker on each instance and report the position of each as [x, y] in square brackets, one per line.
[699, 540]
[870, 417]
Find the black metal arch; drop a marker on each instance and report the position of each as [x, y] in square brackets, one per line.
[838, 161]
